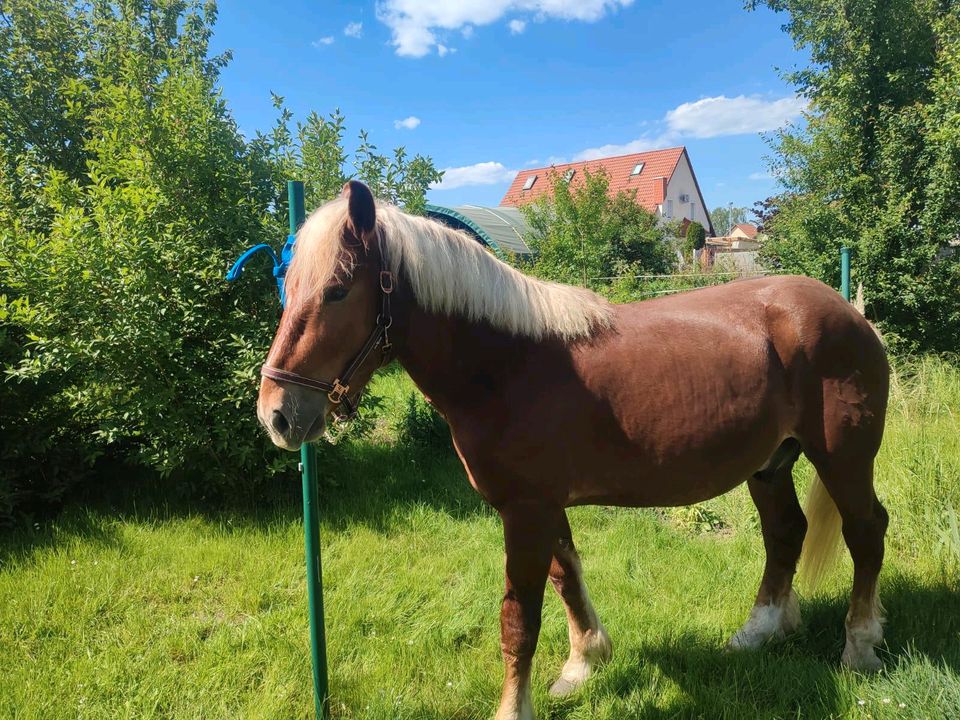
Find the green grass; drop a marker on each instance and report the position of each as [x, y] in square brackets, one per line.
[153, 612]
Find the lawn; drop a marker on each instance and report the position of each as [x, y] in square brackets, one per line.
[158, 612]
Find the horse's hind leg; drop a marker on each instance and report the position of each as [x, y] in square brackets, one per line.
[775, 613]
[850, 483]
[589, 643]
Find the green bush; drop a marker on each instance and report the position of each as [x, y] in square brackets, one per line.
[696, 236]
[119, 288]
[118, 221]
[876, 165]
[422, 426]
[43, 451]
[583, 236]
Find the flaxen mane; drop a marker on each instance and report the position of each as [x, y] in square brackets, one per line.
[450, 273]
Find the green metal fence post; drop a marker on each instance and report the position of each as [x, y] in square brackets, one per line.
[311, 523]
[845, 273]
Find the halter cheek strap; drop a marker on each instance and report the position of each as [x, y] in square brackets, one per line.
[379, 337]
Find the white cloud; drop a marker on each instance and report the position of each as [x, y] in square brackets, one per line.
[354, 30]
[443, 50]
[409, 123]
[328, 40]
[634, 146]
[716, 116]
[707, 118]
[414, 24]
[467, 32]
[760, 176]
[517, 26]
[483, 173]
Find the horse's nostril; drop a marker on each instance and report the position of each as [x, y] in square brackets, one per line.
[279, 422]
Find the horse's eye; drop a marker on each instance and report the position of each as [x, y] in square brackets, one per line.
[335, 294]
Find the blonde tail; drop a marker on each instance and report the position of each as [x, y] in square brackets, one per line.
[859, 303]
[823, 536]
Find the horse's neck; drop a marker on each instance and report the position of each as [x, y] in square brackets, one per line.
[453, 360]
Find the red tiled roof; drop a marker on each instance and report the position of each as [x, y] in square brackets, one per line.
[657, 164]
[747, 229]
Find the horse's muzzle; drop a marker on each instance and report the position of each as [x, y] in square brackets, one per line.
[291, 415]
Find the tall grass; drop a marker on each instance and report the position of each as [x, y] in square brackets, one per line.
[160, 612]
[918, 470]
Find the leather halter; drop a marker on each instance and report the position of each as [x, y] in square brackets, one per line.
[379, 337]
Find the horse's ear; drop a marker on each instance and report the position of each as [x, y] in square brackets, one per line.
[362, 211]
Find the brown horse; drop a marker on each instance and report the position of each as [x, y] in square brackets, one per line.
[558, 398]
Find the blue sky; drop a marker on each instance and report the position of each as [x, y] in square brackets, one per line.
[487, 87]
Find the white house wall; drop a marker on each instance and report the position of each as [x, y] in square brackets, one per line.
[682, 184]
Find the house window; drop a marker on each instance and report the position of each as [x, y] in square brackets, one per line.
[637, 169]
[669, 208]
[568, 175]
[530, 181]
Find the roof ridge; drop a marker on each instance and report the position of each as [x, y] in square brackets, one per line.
[681, 148]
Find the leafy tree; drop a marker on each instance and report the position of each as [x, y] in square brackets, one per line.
[314, 152]
[765, 212]
[876, 167]
[118, 219]
[399, 180]
[724, 217]
[585, 237]
[696, 238]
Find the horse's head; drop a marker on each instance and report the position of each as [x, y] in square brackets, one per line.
[333, 311]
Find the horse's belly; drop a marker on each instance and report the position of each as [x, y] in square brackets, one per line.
[698, 437]
[639, 486]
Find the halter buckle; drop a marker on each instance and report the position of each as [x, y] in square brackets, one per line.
[386, 281]
[335, 396]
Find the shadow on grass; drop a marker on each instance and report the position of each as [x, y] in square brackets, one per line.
[800, 677]
[369, 484]
[359, 483]
[90, 526]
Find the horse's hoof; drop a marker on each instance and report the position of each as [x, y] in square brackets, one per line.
[563, 687]
[767, 623]
[750, 639]
[859, 652]
[865, 662]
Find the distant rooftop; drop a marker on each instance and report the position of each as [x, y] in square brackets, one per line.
[635, 172]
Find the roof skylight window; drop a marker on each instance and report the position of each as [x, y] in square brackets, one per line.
[530, 181]
[636, 169]
[568, 175]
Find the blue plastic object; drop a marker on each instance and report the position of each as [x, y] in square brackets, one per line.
[280, 264]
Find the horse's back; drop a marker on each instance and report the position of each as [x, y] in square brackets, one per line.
[802, 319]
[710, 382]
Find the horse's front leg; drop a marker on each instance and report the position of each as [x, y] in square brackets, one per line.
[529, 531]
[589, 642]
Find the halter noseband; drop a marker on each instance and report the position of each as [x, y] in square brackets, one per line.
[338, 389]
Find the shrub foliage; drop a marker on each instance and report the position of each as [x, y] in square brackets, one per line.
[877, 165]
[695, 239]
[126, 190]
[582, 236]
[422, 426]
